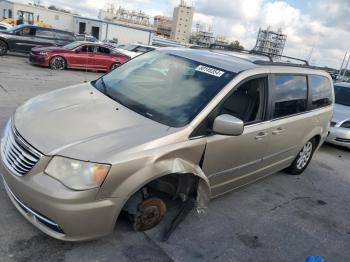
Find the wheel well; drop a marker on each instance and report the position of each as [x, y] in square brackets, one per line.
[317, 140]
[173, 186]
[61, 57]
[3, 40]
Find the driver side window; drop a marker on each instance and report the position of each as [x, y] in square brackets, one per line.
[26, 31]
[87, 49]
[247, 102]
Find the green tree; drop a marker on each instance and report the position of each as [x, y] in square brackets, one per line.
[236, 45]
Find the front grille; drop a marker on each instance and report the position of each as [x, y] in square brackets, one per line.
[18, 156]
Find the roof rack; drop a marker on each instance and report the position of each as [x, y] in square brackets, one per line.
[254, 52]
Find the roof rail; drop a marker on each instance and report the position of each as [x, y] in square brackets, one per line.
[254, 52]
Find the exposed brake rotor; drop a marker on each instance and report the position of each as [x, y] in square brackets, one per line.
[150, 213]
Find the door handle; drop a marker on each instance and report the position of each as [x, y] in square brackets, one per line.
[278, 131]
[261, 135]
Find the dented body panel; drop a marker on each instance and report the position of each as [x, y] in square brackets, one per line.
[82, 123]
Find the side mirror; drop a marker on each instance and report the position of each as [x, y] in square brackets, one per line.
[228, 125]
[77, 51]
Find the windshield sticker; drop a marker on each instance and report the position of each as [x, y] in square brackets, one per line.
[210, 71]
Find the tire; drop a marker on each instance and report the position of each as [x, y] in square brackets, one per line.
[58, 63]
[3, 48]
[303, 158]
[114, 66]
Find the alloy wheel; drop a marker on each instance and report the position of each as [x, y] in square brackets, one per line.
[305, 155]
[58, 63]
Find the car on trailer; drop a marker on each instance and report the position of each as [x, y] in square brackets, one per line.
[23, 38]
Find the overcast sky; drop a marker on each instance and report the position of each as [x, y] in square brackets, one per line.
[321, 25]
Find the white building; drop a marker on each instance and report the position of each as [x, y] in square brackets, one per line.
[56, 19]
[182, 23]
[123, 31]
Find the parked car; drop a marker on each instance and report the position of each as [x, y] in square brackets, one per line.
[23, 38]
[340, 125]
[170, 124]
[4, 27]
[88, 38]
[81, 55]
[134, 50]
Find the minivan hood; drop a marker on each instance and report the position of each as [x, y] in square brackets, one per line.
[341, 113]
[82, 123]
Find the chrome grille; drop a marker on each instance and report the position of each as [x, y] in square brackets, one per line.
[18, 156]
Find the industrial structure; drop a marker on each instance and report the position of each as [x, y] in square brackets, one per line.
[203, 36]
[123, 15]
[182, 22]
[163, 25]
[271, 42]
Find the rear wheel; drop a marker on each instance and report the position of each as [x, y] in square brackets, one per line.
[3, 48]
[114, 66]
[58, 63]
[303, 158]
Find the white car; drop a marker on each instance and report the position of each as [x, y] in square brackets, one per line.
[4, 27]
[134, 50]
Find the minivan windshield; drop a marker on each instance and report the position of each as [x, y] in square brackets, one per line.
[342, 95]
[164, 87]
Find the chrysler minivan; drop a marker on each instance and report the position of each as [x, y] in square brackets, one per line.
[173, 123]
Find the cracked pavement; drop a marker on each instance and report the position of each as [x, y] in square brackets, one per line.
[279, 218]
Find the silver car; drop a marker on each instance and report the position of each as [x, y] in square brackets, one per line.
[170, 125]
[340, 125]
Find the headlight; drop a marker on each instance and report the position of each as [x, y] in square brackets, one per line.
[346, 124]
[43, 53]
[76, 174]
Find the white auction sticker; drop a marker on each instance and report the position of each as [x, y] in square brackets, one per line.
[210, 71]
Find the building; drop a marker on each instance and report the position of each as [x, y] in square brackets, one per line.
[125, 33]
[271, 42]
[203, 36]
[221, 40]
[182, 23]
[36, 13]
[163, 25]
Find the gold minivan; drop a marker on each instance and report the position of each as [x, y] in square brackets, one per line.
[170, 124]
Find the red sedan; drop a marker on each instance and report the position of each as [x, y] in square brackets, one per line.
[80, 55]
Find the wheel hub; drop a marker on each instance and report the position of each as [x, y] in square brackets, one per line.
[150, 213]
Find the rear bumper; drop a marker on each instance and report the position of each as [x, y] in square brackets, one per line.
[339, 136]
[38, 59]
[58, 211]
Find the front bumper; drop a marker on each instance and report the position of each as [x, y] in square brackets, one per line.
[58, 211]
[38, 59]
[339, 136]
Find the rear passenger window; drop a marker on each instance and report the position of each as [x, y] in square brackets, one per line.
[104, 50]
[44, 33]
[321, 91]
[64, 36]
[290, 95]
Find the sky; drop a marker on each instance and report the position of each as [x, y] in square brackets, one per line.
[316, 28]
